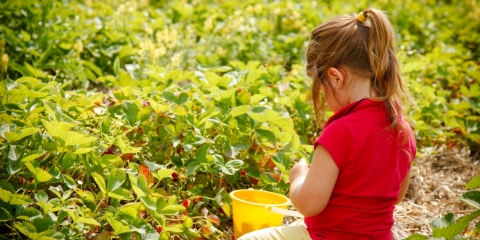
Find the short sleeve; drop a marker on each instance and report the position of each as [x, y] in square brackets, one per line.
[336, 139]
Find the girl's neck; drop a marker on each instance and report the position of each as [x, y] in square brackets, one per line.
[360, 88]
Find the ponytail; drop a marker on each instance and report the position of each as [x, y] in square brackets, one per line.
[384, 64]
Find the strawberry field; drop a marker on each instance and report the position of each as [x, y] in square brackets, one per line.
[136, 119]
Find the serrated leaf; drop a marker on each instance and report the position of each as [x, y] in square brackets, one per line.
[90, 221]
[172, 209]
[474, 183]
[118, 227]
[207, 115]
[149, 202]
[160, 219]
[15, 152]
[5, 215]
[121, 194]
[472, 198]
[182, 98]
[226, 209]
[33, 155]
[161, 203]
[201, 154]
[75, 138]
[18, 199]
[164, 173]
[13, 167]
[100, 181]
[188, 222]
[56, 129]
[85, 195]
[416, 236]
[131, 111]
[174, 229]
[39, 174]
[455, 229]
[6, 128]
[80, 151]
[15, 136]
[240, 110]
[193, 167]
[115, 179]
[267, 134]
[28, 214]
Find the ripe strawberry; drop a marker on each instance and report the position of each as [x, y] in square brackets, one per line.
[174, 176]
[254, 181]
[242, 173]
[158, 228]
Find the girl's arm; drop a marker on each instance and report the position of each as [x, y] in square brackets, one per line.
[310, 188]
[403, 188]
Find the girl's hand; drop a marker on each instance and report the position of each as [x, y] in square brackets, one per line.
[299, 170]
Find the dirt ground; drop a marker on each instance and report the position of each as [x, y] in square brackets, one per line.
[438, 179]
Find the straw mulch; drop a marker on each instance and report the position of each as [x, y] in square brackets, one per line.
[438, 180]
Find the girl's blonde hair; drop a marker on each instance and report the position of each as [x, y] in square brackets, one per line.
[368, 49]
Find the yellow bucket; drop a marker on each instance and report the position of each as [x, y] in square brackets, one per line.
[250, 210]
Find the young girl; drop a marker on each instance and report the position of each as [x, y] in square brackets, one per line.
[360, 167]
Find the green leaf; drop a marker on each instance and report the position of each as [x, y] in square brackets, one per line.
[100, 181]
[118, 227]
[149, 202]
[474, 183]
[15, 136]
[6, 128]
[472, 198]
[121, 194]
[15, 152]
[81, 151]
[33, 155]
[267, 134]
[172, 209]
[75, 138]
[169, 96]
[90, 221]
[202, 153]
[115, 179]
[161, 203]
[5, 215]
[56, 129]
[67, 160]
[193, 167]
[131, 111]
[142, 186]
[28, 214]
[240, 110]
[39, 174]
[163, 173]
[182, 98]
[10, 84]
[14, 167]
[455, 229]
[416, 236]
[152, 166]
[160, 219]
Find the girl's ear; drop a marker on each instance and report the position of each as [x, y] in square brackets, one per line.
[336, 77]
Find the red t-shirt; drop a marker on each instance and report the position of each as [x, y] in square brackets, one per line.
[372, 162]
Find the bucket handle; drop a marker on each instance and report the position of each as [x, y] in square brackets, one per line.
[286, 212]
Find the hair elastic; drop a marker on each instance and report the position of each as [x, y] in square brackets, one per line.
[361, 17]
